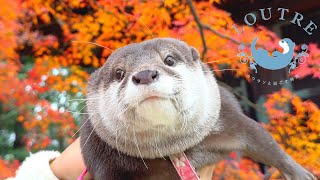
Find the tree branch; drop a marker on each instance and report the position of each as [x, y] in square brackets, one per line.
[222, 35]
[199, 24]
[202, 26]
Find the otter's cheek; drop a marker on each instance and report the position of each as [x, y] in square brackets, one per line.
[109, 105]
[164, 85]
[158, 112]
[192, 85]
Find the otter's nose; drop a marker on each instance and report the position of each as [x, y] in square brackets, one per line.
[145, 77]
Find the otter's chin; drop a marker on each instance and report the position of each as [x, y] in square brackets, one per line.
[157, 111]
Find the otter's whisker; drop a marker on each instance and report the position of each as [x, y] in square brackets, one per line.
[222, 70]
[99, 71]
[137, 145]
[88, 42]
[116, 113]
[83, 124]
[91, 133]
[125, 136]
[76, 112]
[117, 135]
[84, 99]
[179, 80]
[176, 75]
[183, 117]
[141, 23]
[220, 59]
[83, 107]
[90, 115]
[157, 138]
[185, 122]
[119, 114]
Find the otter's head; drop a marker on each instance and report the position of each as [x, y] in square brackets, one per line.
[155, 96]
[287, 45]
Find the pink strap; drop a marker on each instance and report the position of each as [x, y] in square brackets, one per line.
[183, 167]
[84, 172]
[180, 163]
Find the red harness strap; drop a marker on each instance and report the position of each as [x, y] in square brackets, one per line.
[180, 163]
[183, 167]
[83, 174]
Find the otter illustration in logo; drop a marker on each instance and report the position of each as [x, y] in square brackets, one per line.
[278, 60]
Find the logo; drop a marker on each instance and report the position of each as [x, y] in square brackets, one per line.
[276, 60]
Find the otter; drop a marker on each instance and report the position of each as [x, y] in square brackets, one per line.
[156, 98]
[278, 60]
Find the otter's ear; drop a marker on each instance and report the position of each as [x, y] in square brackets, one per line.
[195, 54]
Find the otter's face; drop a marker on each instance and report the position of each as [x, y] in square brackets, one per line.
[153, 87]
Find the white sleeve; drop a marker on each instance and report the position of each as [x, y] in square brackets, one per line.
[36, 167]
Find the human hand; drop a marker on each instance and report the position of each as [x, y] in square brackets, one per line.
[69, 165]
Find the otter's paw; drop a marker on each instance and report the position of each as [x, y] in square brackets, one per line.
[300, 174]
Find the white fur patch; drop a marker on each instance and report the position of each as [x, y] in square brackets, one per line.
[158, 112]
[36, 167]
[201, 94]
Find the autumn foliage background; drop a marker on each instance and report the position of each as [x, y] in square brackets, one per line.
[43, 74]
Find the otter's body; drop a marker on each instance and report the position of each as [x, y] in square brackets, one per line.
[155, 99]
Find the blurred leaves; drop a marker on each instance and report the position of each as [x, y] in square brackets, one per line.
[298, 132]
[41, 69]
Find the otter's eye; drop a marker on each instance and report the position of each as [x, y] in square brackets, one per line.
[169, 61]
[120, 74]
